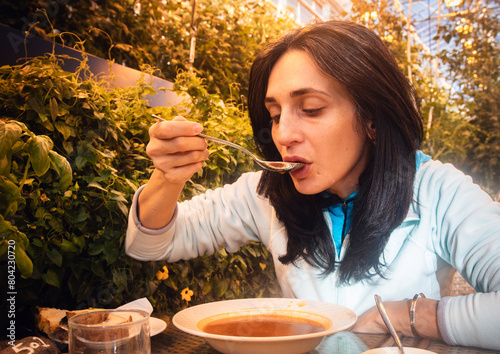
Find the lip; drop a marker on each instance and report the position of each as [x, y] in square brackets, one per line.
[300, 172]
[294, 158]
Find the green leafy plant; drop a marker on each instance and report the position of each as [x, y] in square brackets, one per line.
[73, 154]
[33, 156]
[473, 62]
[460, 117]
[250, 271]
[158, 33]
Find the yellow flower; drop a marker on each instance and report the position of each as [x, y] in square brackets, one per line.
[162, 274]
[186, 294]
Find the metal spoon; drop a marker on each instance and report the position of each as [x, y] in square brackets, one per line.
[387, 321]
[274, 166]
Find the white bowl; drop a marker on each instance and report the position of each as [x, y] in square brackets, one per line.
[334, 318]
[394, 350]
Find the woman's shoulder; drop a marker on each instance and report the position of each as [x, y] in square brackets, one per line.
[443, 182]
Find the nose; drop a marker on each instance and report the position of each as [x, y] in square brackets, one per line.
[286, 131]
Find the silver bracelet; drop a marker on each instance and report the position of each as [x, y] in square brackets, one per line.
[412, 314]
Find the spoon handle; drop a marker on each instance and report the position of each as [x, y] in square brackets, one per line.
[228, 143]
[388, 324]
[217, 140]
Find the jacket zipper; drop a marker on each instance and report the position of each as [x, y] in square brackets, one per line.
[344, 210]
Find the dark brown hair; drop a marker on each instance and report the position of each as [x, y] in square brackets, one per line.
[359, 60]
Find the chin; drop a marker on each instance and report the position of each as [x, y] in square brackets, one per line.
[303, 187]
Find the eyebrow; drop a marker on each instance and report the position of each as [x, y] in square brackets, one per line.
[298, 93]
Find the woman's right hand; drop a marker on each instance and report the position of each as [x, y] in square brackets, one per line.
[175, 149]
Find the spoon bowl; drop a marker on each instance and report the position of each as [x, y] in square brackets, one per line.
[274, 166]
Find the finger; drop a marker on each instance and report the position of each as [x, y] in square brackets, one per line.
[178, 126]
[182, 174]
[166, 162]
[161, 147]
[181, 168]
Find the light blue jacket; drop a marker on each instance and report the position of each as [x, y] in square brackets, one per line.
[452, 223]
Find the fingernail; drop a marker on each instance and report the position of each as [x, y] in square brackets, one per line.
[197, 128]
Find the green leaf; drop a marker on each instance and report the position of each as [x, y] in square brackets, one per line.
[96, 248]
[120, 279]
[10, 197]
[55, 256]
[5, 164]
[68, 247]
[118, 196]
[63, 128]
[81, 216]
[206, 288]
[220, 286]
[23, 262]
[123, 208]
[9, 190]
[34, 102]
[79, 241]
[10, 132]
[97, 185]
[63, 168]
[111, 254]
[54, 108]
[51, 278]
[39, 147]
[37, 242]
[98, 269]
[80, 161]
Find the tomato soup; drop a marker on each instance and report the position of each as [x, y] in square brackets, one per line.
[262, 325]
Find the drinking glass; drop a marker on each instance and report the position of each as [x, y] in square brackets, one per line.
[110, 331]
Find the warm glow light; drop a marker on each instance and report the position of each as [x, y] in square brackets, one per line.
[463, 27]
[471, 60]
[450, 3]
[369, 15]
[389, 38]
[137, 8]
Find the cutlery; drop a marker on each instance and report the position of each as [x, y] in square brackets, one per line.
[274, 166]
[387, 321]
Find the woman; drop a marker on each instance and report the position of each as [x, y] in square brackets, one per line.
[368, 213]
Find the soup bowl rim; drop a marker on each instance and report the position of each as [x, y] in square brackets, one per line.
[339, 317]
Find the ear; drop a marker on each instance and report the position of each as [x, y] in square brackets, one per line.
[372, 132]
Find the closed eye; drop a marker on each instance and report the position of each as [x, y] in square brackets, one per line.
[312, 112]
[274, 119]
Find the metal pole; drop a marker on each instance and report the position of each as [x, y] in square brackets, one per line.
[194, 29]
[408, 46]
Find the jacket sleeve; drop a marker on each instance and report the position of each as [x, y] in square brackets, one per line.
[229, 217]
[467, 235]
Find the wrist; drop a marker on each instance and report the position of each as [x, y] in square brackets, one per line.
[413, 308]
[425, 324]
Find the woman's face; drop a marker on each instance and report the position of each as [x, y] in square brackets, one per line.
[314, 122]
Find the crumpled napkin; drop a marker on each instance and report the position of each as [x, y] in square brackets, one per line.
[139, 304]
